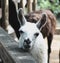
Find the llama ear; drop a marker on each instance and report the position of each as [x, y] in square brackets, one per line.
[21, 17]
[41, 23]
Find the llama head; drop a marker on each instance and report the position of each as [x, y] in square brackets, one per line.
[29, 31]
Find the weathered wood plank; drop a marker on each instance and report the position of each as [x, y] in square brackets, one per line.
[10, 52]
[5, 56]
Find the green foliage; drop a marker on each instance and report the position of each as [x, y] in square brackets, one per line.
[45, 4]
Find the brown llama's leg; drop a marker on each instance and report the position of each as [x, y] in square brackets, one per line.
[49, 38]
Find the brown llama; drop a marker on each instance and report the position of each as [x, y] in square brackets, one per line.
[49, 29]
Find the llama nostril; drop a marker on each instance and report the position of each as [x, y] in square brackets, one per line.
[27, 41]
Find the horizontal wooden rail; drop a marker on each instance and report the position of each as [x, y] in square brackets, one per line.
[10, 52]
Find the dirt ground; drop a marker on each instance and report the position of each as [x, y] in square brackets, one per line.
[54, 57]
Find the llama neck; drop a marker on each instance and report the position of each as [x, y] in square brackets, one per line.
[39, 52]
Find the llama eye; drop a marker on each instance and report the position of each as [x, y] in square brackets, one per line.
[21, 31]
[36, 34]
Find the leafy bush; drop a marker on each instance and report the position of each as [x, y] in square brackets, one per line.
[45, 4]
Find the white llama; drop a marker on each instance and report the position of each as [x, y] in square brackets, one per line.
[31, 38]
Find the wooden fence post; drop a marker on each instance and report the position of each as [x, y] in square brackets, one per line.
[29, 5]
[3, 24]
[34, 5]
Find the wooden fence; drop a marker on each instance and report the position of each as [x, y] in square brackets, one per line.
[31, 6]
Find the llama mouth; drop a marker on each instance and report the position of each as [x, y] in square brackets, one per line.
[26, 46]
